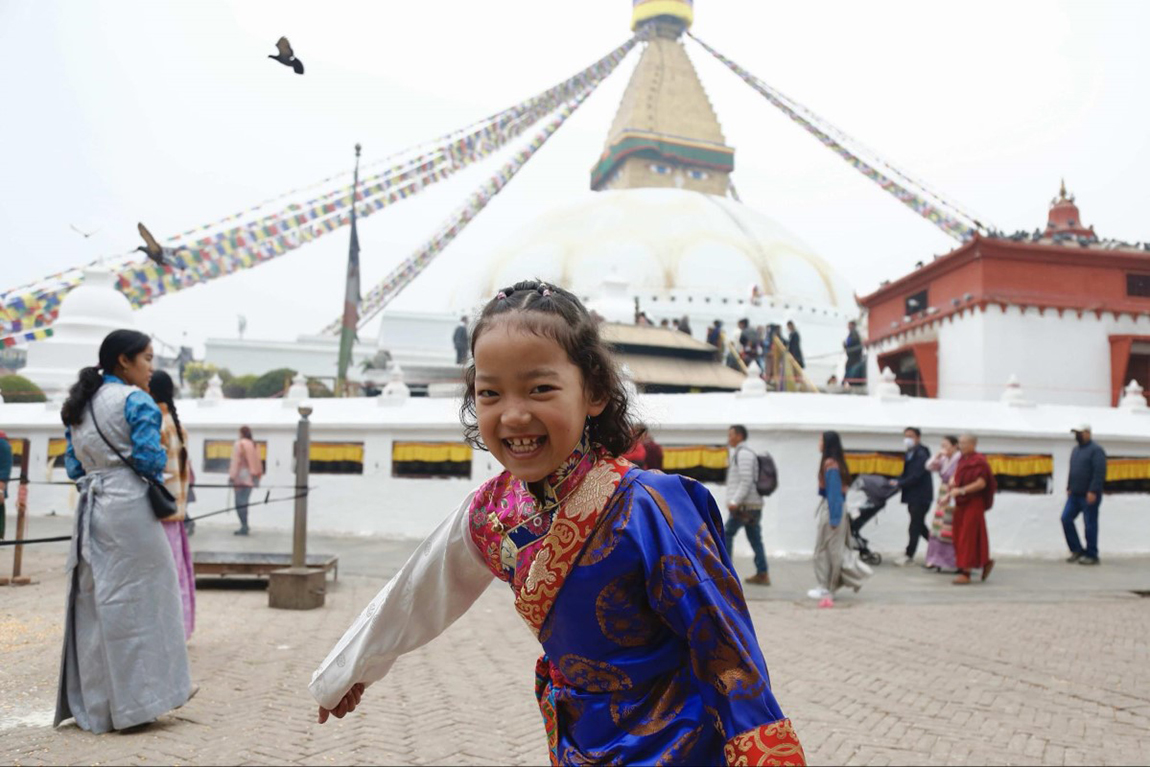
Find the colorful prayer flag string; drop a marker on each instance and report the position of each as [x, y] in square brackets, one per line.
[35, 307]
[947, 223]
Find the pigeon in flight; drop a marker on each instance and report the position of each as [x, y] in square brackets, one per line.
[286, 56]
[153, 250]
[82, 233]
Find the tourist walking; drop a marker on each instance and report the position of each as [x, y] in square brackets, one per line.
[244, 473]
[459, 340]
[177, 478]
[685, 325]
[125, 660]
[836, 563]
[795, 344]
[940, 547]
[973, 496]
[917, 490]
[650, 655]
[744, 504]
[1084, 495]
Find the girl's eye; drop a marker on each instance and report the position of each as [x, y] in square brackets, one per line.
[543, 389]
[485, 393]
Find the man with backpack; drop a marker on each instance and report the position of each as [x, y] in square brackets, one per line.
[746, 476]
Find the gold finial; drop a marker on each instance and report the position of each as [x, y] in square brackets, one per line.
[1062, 190]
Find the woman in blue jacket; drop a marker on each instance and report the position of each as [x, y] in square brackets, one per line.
[836, 563]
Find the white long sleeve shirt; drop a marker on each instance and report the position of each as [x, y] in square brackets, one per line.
[741, 490]
[437, 584]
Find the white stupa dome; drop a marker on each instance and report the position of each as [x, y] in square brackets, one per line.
[664, 241]
[89, 312]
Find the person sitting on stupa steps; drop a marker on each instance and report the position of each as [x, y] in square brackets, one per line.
[619, 572]
[744, 504]
[917, 490]
[1084, 495]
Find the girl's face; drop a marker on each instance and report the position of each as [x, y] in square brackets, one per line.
[947, 448]
[530, 401]
[138, 370]
[822, 446]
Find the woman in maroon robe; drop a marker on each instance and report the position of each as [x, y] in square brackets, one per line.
[973, 495]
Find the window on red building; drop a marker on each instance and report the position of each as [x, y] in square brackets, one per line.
[1138, 285]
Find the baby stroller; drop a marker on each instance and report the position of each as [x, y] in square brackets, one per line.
[866, 497]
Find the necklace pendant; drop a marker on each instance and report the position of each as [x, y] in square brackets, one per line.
[496, 524]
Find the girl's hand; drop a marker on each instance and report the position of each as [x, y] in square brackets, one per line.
[345, 706]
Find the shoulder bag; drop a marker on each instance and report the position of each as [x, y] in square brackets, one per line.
[161, 499]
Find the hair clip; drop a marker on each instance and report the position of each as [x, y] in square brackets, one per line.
[501, 296]
[546, 292]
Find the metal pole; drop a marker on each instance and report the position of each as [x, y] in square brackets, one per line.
[302, 459]
[21, 515]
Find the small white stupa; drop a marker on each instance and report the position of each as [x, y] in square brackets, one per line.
[87, 314]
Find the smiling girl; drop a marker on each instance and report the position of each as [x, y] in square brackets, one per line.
[649, 652]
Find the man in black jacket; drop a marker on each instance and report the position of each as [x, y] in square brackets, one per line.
[1084, 495]
[917, 490]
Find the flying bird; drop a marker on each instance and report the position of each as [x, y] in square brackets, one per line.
[286, 56]
[84, 234]
[153, 250]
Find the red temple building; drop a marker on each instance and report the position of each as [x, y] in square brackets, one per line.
[1064, 311]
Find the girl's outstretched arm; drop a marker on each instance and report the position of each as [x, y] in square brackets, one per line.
[440, 581]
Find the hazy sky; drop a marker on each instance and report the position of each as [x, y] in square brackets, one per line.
[171, 114]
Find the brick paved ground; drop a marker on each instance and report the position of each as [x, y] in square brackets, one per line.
[1041, 666]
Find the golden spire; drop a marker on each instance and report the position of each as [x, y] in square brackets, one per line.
[666, 133]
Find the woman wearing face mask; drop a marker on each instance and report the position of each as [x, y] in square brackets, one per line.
[836, 563]
[125, 661]
[940, 547]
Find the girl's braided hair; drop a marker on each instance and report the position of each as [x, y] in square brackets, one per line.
[552, 312]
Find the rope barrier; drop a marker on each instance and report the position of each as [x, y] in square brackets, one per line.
[36, 540]
[268, 500]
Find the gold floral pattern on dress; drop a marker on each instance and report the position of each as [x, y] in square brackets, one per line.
[719, 656]
[590, 498]
[608, 534]
[707, 552]
[656, 710]
[661, 502]
[574, 756]
[717, 721]
[590, 675]
[538, 571]
[670, 578]
[623, 613]
[676, 752]
[770, 744]
[559, 548]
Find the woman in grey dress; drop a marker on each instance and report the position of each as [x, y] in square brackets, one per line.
[124, 661]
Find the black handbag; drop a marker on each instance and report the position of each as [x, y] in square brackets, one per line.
[161, 498]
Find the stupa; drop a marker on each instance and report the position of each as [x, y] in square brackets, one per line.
[663, 227]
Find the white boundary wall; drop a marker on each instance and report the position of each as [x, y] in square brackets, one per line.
[789, 425]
